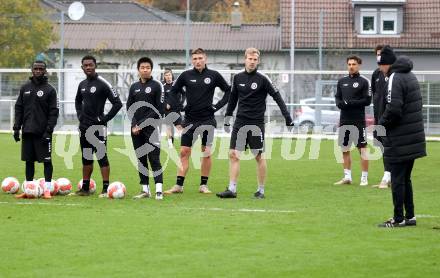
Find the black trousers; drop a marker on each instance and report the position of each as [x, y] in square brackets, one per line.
[402, 192]
[386, 166]
[147, 148]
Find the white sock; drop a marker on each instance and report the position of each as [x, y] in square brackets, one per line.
[170, 142]
[347, 174]
[232, 186]
[386, 176]
[261, 188]
[158, 187]
[364, 175]
[146, 188]
[48, 185]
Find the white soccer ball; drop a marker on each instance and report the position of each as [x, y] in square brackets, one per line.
[92, 187]
[53, 190]
[32, 189]
[116, 190]
[64, 186]
[10, 185]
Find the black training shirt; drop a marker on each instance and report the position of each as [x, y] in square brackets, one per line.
[150, 92]
[352, 95]
[90, 100]
[250, 90]
[200, 87]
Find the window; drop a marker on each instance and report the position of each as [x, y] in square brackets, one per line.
[368, 21]
[379, 21]
[388, 21]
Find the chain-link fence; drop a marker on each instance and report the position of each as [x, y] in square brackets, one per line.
[311, 103]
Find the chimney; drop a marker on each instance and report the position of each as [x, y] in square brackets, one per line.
[236, 16]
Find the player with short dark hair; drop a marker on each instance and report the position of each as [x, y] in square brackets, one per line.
[173, 103]
[91, 96]
[352, 96]
[200, 83]
[250, 89]
[36, 114]
[145, 108]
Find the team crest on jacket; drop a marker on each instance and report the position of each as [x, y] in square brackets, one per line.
[148, 90]
[355, 85]
[207, 80]
[40, 93]
[254, 86]
[93, 89]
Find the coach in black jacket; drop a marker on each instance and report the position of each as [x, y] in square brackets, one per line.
[36, 114]
[379, 86]
[405, 140]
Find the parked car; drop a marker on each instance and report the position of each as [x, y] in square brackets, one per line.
[305, 115]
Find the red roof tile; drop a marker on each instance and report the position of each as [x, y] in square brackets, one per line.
[163, 36]
[421, 28]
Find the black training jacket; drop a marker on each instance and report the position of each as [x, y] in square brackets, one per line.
[36, 109]
[148, 99]
[403, 117]
[175, 100]
[352, 95]
[250, 90]
[90, 100]
[200, 87]
[379, 92]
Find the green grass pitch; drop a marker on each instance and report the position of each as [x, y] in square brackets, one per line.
[306, 226]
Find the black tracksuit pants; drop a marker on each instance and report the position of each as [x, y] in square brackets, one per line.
[386, 165]
[147, 148]
[402, 192]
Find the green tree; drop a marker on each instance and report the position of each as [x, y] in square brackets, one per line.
[254, 11]
[24, 32]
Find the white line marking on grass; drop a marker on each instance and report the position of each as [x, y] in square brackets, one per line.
[243, 210]
[202, 208]
[40, 203]
[426, 216]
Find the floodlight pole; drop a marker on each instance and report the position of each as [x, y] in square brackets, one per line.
[61, 67]
[292, 52]
[187, 34]
[62, 41]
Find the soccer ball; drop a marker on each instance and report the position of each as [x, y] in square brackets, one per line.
[116, 190]
[54, 189]
[64, 186]
[32, 189]
[10, 185]
[92, 187]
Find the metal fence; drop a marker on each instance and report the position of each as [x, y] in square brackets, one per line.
[310, 98]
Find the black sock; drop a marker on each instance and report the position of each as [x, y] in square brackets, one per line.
[86, 185]
[204, 180]
[172, 139]
[48, 171]
[105, 186]
[30, 170]
[180, 180]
